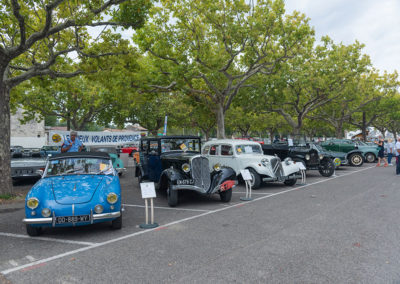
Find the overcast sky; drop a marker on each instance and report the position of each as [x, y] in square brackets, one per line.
[375, 23]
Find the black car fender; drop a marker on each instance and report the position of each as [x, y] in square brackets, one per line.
[138, 170]
[170, 175]
[219, 177]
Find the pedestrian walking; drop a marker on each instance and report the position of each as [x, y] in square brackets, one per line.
[381, 153]
[397, 152]
[72, 144]
[390, 151]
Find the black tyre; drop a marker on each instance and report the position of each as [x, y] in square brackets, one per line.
[326, 168]
[116, 224]
[120, 174]
[172, 196]
[226, 195]
[356, 160]
[370, 157]
[139, 176]
[33, 231]
[290, 182]
[255, 179]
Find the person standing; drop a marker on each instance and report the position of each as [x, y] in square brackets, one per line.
[397, 152]
[381, 153]
[72, 144]
[390, 151]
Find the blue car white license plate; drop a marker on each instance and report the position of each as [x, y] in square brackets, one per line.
[72, 219]
[185, 182]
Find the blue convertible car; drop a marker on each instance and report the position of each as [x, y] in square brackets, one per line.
[76, 189]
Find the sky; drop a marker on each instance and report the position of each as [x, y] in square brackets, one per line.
[375, 23]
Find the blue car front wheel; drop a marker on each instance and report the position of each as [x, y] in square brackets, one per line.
[33, 231]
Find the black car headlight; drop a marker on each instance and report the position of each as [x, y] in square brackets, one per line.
[186, 167]
[307, 156]
[217, 167]
[321, 156]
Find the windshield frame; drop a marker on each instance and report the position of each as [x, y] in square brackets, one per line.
[108, 162]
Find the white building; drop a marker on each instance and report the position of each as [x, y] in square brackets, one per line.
[29, 135]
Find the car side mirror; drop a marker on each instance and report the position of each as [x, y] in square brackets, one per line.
[39, 172]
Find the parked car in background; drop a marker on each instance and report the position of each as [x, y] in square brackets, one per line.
[118, 164]
[241, 155]
[24, 168]
[174, 164]
[77, 188]
[303, 152]
[16, 151]
[356, 151]
[129, 148]
[339, 158]
[49, 150]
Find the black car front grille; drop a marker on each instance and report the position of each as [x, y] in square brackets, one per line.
[201, 172]
[277, 167]
[314, 158]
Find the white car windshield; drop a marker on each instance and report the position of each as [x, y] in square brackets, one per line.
[81, 165]
[248, 149]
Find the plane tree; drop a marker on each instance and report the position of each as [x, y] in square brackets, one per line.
[210, 49]
[38, 37]
[315, 77]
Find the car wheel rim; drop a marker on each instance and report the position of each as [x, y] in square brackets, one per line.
[370, 158]
[252, 179]
[356, 160]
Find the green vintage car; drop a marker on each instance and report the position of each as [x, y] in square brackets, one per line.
[353, 150]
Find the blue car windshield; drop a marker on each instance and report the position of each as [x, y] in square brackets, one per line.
[81, 165]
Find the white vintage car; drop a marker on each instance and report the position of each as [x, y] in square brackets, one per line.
[240, 155]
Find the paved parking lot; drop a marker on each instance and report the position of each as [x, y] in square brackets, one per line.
[317, 232]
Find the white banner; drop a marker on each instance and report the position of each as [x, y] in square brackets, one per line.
[95, 138]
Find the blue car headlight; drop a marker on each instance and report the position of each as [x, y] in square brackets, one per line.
[32, 203]
[46, 212]
[112, 198]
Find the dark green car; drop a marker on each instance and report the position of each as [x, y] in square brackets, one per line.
[356, 152]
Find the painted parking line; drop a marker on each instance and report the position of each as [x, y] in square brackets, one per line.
[47, 239]
[167, 208]
[252, 192]
[45, 260]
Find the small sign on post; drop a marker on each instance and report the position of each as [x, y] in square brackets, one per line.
[303, 173]
[148, 192]
[247, 179]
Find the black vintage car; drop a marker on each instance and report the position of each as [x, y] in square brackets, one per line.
[305, 153]
[175, 163]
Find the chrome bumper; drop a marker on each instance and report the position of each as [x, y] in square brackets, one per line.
[52, 220]
[283, 178]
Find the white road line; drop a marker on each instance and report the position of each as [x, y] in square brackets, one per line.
[47, 239]
[168, 208]
[8, 271]
[252, 192]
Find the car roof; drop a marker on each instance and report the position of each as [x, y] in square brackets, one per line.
[233, 142]
[101, 155]
[171, 137]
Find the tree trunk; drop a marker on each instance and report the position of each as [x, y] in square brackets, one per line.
[364, 127]
[339, 130]
[220, 122]
[5, 157]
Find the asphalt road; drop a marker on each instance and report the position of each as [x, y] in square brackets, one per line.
[343, 229]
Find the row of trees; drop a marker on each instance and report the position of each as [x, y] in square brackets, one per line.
[230, 66]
